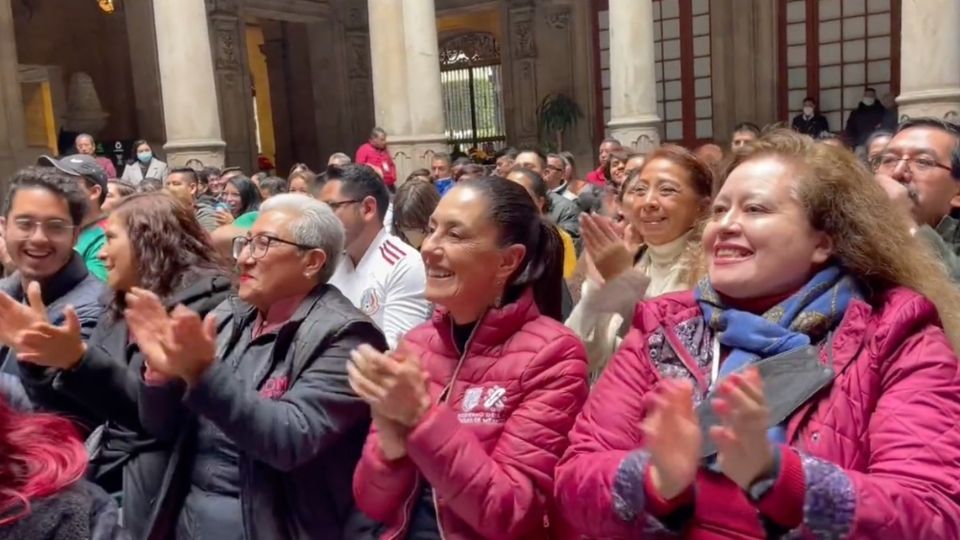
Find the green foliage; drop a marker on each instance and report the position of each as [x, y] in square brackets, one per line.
[556, 114]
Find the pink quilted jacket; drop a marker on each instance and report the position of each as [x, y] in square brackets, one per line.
[877, 454]
[490, 448]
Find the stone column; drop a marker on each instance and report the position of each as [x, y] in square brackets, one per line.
[187, 83]
[407, 94]
[930, 59]
[12, 125]
[633, 94]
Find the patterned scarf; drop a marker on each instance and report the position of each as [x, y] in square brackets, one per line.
[805, 316]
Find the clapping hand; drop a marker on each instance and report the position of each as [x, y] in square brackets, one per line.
[15, 318]
[605, 246]
[28, 331]
[223, 217]
[744, 452]
[394, 386]
[672, 436]
[175, 345]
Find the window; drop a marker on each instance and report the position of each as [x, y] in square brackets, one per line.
[681, 34]
[472, 83]
[833, 49]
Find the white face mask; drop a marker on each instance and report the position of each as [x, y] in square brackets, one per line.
[808, 111]
[868, 101]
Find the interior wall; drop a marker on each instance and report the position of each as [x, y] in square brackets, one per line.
[79, 37]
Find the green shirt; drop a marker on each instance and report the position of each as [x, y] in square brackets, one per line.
[246, 221]
[89, 244]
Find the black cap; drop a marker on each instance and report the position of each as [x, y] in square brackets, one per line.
[78, 165]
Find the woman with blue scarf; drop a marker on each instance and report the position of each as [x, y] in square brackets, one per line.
[806, 387]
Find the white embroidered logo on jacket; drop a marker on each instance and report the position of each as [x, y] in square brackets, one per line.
[483, 405]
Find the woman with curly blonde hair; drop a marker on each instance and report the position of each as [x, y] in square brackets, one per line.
[808, 386]
[664, 202]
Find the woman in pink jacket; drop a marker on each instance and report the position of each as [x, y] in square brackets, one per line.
[805, 388]
[471, 414]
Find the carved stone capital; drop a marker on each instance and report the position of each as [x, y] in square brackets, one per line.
[559, 17]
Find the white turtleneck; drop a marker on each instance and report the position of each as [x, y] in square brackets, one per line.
[662, 264]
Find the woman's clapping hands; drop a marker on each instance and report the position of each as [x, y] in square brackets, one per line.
[672, 433]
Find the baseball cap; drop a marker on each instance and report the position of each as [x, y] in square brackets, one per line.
[78, 165]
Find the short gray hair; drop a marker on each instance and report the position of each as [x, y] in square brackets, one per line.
[340, 159]
[316, 225]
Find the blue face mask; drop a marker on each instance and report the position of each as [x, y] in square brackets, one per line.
[144, 157]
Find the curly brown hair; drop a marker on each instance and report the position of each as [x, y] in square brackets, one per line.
[842, 199]
[169, 245]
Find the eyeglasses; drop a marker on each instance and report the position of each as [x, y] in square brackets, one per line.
[54, 229]
[260, 244]
[554, 169]
[889, 162]
[336, 205]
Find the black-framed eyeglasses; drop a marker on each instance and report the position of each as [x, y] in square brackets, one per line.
[336, 205]
[260, 244]
[889, 162]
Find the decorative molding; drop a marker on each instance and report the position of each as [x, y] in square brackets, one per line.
[524, 40]
[287, 10]
[358, 55]
[470, 49]
[226, 55]
[559, 17]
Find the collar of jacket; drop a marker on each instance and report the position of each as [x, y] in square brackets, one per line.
[495, 326]
[245, 313]
[57, 285]
[949, 230]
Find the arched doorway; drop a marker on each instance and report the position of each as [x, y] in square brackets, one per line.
[472, 82]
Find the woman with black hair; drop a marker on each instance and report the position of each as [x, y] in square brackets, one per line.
[143, 165]
[470, 413]
[241, 196]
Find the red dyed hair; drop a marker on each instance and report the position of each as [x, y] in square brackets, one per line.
[40, 454]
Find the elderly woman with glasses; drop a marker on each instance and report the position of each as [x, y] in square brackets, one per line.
[259, 388]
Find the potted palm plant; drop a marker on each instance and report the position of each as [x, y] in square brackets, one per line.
[557, 113]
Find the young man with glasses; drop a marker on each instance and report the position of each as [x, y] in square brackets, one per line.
[43, 214]
[920, 170]
[382, 275]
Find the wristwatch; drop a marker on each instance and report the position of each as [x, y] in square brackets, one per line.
[762, 485]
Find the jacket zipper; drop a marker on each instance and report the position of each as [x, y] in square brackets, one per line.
[442, 399]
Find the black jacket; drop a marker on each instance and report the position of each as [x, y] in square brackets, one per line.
[863, 121]
[297, 450]
[81, 512]
[813, 126]
[103, 389]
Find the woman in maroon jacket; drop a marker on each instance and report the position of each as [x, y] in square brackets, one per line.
[806, 387]
[471, 414]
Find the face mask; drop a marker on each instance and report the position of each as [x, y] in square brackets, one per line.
[808, 111]
[868, 101]
[144, 157]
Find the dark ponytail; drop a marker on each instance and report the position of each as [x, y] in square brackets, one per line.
[520, 222]
[543, 271]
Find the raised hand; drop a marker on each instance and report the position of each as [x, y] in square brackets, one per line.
[178, 344]
[150, 326]
[744, 452]
[904, 197]
[15, 318]
[605, 246]
[672, 436]
[52, 346]
[395, 388]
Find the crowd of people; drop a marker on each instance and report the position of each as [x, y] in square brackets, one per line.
[750, 342]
